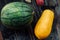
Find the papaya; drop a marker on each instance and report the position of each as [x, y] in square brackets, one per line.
[44, 25]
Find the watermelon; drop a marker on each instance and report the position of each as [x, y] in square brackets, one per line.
[16, 14]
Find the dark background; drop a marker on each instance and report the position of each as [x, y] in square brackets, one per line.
[27, 33]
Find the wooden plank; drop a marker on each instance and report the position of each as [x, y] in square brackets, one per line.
[1, 38]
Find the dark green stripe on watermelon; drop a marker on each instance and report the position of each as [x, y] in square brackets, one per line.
[16, 14]
[18, 20]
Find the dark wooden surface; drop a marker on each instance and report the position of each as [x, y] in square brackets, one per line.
[1, 38]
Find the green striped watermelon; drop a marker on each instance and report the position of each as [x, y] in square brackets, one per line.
[16, 14]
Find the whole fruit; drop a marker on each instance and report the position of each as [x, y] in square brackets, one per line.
[40, 2]
[16, 14]
[44, 25]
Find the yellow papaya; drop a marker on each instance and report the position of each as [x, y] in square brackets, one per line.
[44, 25]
